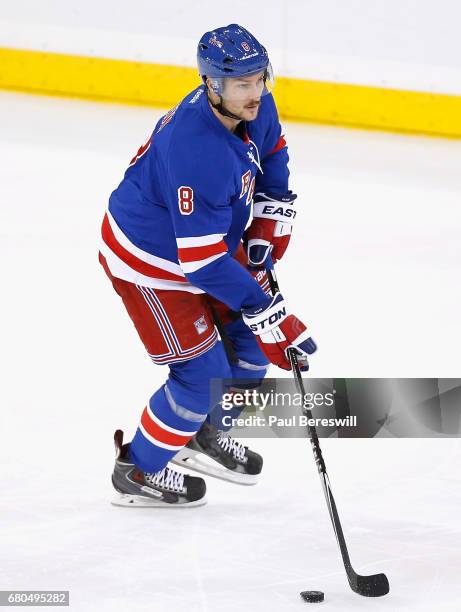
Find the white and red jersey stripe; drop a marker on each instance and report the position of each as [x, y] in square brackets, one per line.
[195, 252]
[127, 261]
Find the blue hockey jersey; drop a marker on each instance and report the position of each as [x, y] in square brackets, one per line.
[180, 211]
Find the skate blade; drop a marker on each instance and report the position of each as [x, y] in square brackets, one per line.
[201, 463]
[126, 500]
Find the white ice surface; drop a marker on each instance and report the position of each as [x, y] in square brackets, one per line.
[374, 267]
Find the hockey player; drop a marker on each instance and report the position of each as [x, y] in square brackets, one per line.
[172, 247]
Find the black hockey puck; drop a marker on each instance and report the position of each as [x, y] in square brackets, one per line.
[312, 596]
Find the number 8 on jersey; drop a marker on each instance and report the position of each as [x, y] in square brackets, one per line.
[186, 200]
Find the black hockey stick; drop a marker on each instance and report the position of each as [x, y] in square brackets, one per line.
[375, 585]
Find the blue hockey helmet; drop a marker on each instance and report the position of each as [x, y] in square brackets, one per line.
[230, 52]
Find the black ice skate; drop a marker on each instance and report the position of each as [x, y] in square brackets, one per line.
[215, 453]
[165, 489]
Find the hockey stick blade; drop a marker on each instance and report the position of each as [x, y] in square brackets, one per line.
[375, 585]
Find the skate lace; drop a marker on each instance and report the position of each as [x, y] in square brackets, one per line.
[231, 446]
[167, 479]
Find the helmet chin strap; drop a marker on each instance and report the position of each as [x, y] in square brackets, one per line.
[222, 110]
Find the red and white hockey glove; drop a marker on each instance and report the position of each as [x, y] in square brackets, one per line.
[270, 230]
[276, 331]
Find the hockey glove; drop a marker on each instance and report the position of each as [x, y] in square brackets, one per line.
[276, 331]
[270, 230]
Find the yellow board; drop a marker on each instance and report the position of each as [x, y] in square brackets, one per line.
[297, 99]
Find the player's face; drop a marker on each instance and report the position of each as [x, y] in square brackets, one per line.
[242, 96]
